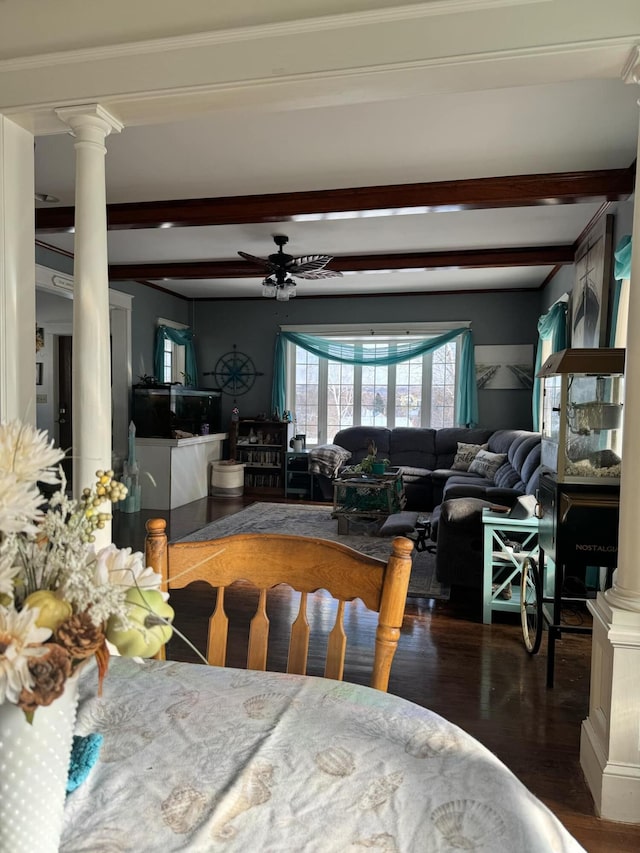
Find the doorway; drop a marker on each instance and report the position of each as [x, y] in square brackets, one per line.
[65, 402]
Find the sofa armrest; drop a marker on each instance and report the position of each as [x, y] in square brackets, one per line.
[459, 544]
[494, 494]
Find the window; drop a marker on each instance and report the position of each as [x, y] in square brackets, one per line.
[173, 364]
[329, 395]
[167, 375]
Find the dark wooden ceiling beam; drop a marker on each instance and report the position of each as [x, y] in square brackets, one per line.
[465, 258]
[469, 194]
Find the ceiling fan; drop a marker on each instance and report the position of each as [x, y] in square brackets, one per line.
[279, 268]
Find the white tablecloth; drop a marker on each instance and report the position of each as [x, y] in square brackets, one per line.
[200, 758]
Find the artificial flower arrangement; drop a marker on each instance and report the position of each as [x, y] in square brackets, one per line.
[60, 599]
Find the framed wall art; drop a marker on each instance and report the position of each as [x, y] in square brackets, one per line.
[590, 295]
[503, 367]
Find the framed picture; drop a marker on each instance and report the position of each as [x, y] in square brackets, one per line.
[39, 369]
[503, 367]
[590, 295]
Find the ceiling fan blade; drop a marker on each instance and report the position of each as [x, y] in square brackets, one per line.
[317, 274]
[265, 263]
[252, 258]
[307, 263]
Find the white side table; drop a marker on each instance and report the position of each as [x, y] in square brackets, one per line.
[500, 556]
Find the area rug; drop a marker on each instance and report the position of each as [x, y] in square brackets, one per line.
[306, 520]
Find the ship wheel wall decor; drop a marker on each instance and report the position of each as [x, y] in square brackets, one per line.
[234, 372]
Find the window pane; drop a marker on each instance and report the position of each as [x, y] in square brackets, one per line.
[340, 394]
[306, 400]
[167, 361]
[373, 406]
[443, 386]
[408, 408]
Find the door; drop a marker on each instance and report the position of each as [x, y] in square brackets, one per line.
[65, 402]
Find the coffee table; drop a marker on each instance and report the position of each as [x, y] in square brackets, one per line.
[374, 497]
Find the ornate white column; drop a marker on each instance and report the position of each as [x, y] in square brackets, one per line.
[91, 124]
[610, 738]
[17, 274]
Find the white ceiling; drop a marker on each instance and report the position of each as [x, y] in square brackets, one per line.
[585, 118]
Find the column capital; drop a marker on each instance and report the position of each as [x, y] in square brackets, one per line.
[90, 116]
[631, 70]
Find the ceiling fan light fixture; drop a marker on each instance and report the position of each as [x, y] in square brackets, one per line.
[268, 288]
[282, 294]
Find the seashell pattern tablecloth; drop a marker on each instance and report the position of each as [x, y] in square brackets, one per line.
[203, 759]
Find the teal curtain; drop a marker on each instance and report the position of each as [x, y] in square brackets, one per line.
[393, 353]
[551, 326]
[183, 338]
[279, 388]
[622, 269]
[467, 391]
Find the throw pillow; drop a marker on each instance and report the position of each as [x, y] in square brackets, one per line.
[465, 455]
[486, 464]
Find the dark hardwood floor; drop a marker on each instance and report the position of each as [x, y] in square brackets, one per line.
[478, 676]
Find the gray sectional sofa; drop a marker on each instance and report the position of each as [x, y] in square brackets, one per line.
[425, 457]
[455, 498]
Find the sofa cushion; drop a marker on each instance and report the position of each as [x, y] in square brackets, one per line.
[486, 463]
[446, 442]
[413, 447]
[411, 475]
[465, 454]
[357, 440]
[398, 523]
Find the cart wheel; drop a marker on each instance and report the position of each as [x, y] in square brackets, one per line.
[531, 605]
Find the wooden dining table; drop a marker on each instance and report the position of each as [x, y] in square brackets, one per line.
[203, 758]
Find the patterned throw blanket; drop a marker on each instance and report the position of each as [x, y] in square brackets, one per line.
[327, 459]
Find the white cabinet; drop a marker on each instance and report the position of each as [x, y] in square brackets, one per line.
[174, 472]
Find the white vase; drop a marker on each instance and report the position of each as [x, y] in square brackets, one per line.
[34, 765]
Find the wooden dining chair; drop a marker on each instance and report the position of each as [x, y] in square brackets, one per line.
[303, 563]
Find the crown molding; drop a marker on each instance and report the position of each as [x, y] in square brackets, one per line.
[260, 32]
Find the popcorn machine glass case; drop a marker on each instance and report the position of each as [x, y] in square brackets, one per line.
[582, 415]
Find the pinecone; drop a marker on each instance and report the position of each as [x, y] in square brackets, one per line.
[50, 673]
[79, 636]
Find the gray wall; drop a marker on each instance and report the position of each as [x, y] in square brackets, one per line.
[148, 305]
[506, 318]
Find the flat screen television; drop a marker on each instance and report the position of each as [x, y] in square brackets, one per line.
[159, 411]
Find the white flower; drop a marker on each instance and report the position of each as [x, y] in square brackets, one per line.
[20, 639]
[9, 568]
[123, 568]
[28, 453]
[19, 504]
